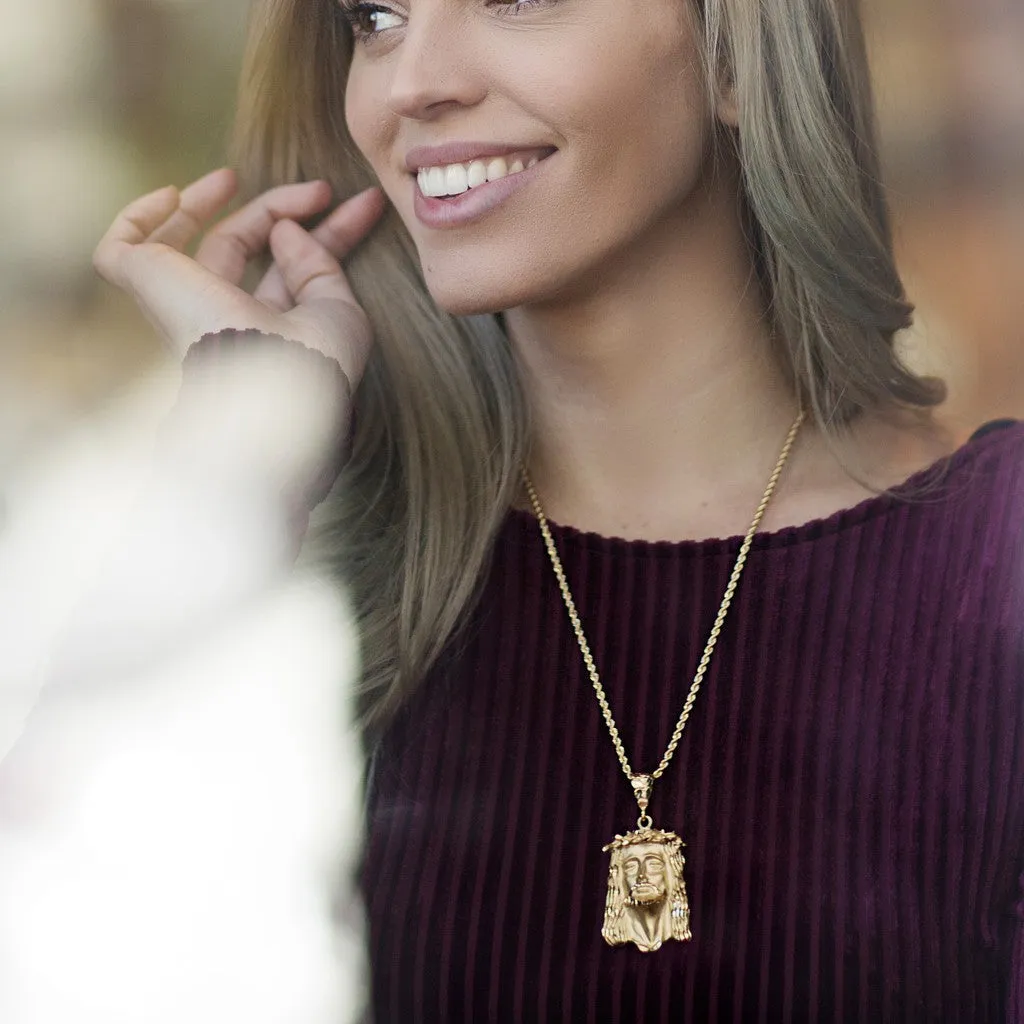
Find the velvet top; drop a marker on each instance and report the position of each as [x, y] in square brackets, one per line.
[850, 786]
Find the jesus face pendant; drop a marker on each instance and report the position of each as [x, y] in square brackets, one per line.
[646, 902]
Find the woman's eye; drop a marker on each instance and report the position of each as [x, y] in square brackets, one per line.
[369, 20]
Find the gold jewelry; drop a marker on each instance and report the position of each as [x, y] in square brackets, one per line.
[646, 901]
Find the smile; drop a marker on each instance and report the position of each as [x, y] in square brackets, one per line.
[454, 179]
[450, 195]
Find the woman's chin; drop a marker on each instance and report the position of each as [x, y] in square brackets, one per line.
[459, 300]
[471, 294]
[467, 305]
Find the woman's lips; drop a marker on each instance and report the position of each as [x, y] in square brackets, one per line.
[456, 211]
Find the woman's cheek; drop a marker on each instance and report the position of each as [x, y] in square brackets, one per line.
[366, 118]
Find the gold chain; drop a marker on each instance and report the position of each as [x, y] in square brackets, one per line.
[716, 629]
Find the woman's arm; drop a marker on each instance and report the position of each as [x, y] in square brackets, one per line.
[187, 782]
[180, 809]
[261, 423]
[253, 442]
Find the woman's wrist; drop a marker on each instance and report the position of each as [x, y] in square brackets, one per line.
[260, 411]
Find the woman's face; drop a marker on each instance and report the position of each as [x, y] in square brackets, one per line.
[528, 144]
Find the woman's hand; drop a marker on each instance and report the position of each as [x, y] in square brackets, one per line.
[304, 296]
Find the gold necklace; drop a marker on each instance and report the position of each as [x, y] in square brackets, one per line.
[646, 901]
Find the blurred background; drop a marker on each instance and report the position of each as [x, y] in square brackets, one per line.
[102, 100]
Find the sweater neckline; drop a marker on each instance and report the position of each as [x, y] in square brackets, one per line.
[521, 524]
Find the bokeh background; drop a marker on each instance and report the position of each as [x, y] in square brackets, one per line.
[102, 100]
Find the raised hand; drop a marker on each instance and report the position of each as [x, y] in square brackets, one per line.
[304, 296]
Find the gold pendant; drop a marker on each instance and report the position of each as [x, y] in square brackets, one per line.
[646, 902]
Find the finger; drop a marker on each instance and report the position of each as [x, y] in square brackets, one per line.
[237, 239]
[132, 226]
[308, 270]
[339, 233]
[347, 226]
[200, 203]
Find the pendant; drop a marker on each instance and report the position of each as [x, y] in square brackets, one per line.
[646, 902]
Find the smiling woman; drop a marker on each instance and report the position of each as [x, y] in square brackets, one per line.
[633, 258]
[635, 159]
[505, 66]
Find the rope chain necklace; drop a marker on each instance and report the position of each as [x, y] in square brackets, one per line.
[646, 901]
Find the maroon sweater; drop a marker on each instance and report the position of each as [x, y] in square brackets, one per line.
[850, 786]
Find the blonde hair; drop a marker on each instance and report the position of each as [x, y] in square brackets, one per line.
[442, 421]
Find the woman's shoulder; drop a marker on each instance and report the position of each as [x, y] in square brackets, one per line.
[999, 426]
[917, 472]
[992, 458]
[978, 490]
[973, 493]
[984, 476]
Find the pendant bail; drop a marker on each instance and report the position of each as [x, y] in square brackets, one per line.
[642, 791]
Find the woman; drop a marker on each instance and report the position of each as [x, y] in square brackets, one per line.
[635, 257]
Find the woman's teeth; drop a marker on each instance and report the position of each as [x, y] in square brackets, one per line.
[455, 179]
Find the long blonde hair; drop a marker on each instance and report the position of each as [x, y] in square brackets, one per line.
[442, 421]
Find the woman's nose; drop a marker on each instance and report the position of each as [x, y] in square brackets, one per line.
[436, 66]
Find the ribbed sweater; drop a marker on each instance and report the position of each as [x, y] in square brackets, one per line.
[850, 786]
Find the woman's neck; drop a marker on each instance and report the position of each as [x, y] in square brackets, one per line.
[656, 391]
[659, 405]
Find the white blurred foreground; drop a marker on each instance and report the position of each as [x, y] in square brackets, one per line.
[180, 814]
